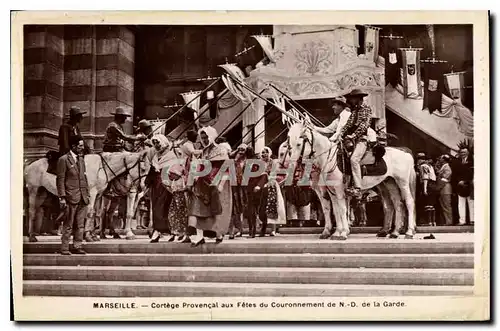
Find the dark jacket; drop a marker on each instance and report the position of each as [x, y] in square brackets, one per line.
[72, 180]
[66, 131]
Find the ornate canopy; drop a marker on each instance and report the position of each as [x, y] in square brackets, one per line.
[318, 62]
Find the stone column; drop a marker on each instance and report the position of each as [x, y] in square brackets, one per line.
[114, 75]
[43, 88]
[79, 76]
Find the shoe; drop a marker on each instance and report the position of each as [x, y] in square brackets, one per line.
[78, 251]
[239, 234]
[273, 234]
[231, 236]
[186, 240]
[200, 242]
[88, 238]
[65, 253]
[172, 238]
[155, 237]
[219, 240]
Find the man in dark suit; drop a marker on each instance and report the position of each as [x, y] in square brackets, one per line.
[463, 185]
[73, 192]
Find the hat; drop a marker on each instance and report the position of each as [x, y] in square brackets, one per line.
[356, 92]
[121, 111]
[340, 100]
[75, 110]
[421, 156]
[144, 124]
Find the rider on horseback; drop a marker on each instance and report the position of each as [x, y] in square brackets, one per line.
[70, 129]
[356, 130]
[115, 135]
[342, 114]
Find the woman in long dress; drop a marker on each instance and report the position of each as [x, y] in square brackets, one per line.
[272, 205]
[210, 205]
[160, 196]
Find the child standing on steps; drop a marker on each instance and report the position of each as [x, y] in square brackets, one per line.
[177, 212]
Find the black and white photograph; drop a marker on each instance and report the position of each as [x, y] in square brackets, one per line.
[326, 162]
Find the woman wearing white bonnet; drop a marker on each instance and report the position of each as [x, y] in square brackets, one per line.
[160, 196]
[210, 206]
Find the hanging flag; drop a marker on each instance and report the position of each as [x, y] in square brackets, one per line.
[411, 72]
[158, 126]
[454, 82]
[267, 46]
[371, 42]
[239, 92]
[194, 98]
[233, 70]
[433, 85]
[389, 50]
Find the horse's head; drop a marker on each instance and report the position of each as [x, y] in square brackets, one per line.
[138, 165]
[300, 142]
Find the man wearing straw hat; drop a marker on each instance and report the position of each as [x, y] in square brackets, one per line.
[356, 130]
[342, 113]
[115, 135]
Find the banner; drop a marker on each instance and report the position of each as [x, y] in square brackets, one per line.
[411, 79]
[454, 83]
[389, 46]
[433, 85]
[371, 43]
[267, 46]
[280, 102]
[158, 126]
[194, 98]
[239, 92]
[233, 70]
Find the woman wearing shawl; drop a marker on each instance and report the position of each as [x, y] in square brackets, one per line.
[210, 205]
[272, 205]
[239, 193]
[160, 196]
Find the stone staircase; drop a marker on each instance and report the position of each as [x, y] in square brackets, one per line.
[288, 265]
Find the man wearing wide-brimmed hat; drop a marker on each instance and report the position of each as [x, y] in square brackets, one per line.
[356, 130]
[342, 113]
[70, 129]
[115, 135]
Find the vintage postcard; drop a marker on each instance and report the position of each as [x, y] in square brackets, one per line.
[262, 166]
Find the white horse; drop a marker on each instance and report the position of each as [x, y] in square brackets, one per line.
[305, 143]
[134, 189]
[101, 169]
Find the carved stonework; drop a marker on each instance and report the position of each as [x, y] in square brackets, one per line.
[313, 58]
[320, 87]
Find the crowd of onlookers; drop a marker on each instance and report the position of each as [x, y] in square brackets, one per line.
[445, 189]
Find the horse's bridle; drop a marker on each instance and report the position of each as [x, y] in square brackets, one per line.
[127, 170]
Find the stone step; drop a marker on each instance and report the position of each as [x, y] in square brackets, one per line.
[272, 245]
[354, 230]
[374, 276]
[201, 289]
[432, 261]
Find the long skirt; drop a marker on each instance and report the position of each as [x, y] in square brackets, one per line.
[218, 223]
[160, 200]
[178, 213]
